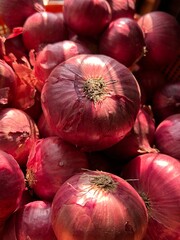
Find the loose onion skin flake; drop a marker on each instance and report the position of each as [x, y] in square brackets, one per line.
[91, 101]
[98, 205]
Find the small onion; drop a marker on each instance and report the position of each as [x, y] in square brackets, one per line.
[167, 136]
[18, 133]
[87, 17]
[156, 177]
[123, 40]
[91, 101]
[98, 205]
[50, 163]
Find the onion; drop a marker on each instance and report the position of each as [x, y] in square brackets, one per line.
[166, 101]
[18, 133]
[42, 28]
[87, 17]
[53, 54]
[91, 101]
[156, 177]
[43, 127]
[8, 84]
[167, 136]
[123, 40]
[51, 162]
[98, 205]
[122, 8]
[12, 185]
[162, 33]
[15, 12]
[139, 140]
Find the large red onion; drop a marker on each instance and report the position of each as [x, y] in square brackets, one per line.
[50, 163]
[123, 40]
[166, 101]
[12, 185]
[15, 12]
[52, 55]
[42, 28]
[91, 101]
[156, 177]
[18, 133]
[167, 136]
[87, 17]
[98, 205]
[162, 34]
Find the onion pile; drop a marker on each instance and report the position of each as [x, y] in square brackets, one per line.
[89, 122]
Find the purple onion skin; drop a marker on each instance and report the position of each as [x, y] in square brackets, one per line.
[167, 136]
[157, 179]
[83, 210]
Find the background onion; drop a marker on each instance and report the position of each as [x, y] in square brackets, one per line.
[88, 89]
[98, 205]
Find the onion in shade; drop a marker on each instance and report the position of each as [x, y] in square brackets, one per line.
[52, 55]
[50, 163]
[87, 17]
[91, 101]
[42, 28]
[123, 40]
[156, 177]
[18, 133]
[167, 136]
[162, 33]
[98, 205]
[12, 185]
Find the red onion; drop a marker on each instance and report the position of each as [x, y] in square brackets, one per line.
[18, 133]
[162, 33]
[139, 140]
[167, 136]
[8, 84]
[15, 12]
[155, 176]
[91, 101]
[122, 8]
[12, 185]
[98, 205]
[53, 54]
[87, 17]
[42, 28]
[50, 163]
[166, 101]
[123, 40]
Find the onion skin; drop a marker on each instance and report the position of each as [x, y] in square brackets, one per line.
[162, 34]
[71, 103]
[167, 136]
[83, 210]
[157, 179]
[12, 185]
[87, 17]
[50, 163]
[123, 40]
[18, 133]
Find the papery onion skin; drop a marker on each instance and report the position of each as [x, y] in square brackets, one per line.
[87, 17]
[123, 40]
[167, 136]
[156, 177]
[18, 133]
[12, 185]
[42, 28]
[91, 101]
[161, 33]
[52, 55]
[85, 209]
[50, 163]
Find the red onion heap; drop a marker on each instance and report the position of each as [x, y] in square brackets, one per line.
[91, 101]
[98, 205]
